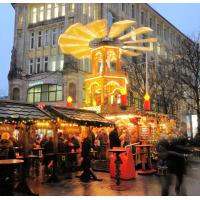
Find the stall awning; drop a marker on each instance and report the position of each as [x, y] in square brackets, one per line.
[79, 116]
[13, 110]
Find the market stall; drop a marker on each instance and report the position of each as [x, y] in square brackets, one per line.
[19, 121]
[77, 121]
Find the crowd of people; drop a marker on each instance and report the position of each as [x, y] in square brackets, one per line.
[172, 153]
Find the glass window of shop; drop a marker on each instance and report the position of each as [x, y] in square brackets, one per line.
[41, 14]
[56, 10]
[46, 62]
[30, 66]
[48, 14]
[61, 62]
[38, 65]
[71, 7]
[54, 37]
[45, 93]
[52, 65]
[31, 40]
[34, 15]
[46, 38]
[62, 9]
[39, 39]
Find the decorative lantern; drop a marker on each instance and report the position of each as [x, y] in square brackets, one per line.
[147, 104]
[69, 102]
[123, 98]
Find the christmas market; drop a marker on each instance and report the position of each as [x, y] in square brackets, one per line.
[98, 104]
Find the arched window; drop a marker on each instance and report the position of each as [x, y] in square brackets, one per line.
[45, 93]
[72, 91]
[16, 94]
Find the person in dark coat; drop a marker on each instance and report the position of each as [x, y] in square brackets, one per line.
[48, 154]
[87, 174]
[175, 161]
[6, 173]
[114, 138]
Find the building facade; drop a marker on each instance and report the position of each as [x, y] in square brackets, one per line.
[40, 73]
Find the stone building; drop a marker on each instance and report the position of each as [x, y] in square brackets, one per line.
[40, 73]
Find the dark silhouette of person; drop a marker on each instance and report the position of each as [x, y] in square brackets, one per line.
[114, 138]
[48, 154]
[172, 155]
[6, 173]
[87, 174]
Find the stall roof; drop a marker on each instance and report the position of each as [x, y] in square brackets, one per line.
[21, 111]
[79, 116]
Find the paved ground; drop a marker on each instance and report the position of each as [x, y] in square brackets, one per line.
[141, 186]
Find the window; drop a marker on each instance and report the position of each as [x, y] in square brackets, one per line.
[96, 11]
[46, 38]
[54, 36]
[84, 8]
[70, 20]
[16, 94]
[34, 15]
[61, 29]
[150, 22]
[39, 39]
[86, 65]
[46, 64]
[158, 29]
[48, 11]
[30, 66]
[142, 17]
[61, 62]
[89, 10]
[32, 40]
[45, 93]
[158, 48]
[56, 10]
[52, 66]
[123, 6]
[62, 9]
[72, 91]
[133, 11]
[38, 65]
[41, 16]
[71, 7]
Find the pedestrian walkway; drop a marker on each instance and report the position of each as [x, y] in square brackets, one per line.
[141, 186]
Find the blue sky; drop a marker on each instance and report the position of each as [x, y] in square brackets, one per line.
[184, 16]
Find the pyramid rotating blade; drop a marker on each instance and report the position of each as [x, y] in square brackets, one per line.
[80, 31]
[142, 41]
[139, 48]
[130, 53]
[118, 27]
[98, 28]
[136, 32]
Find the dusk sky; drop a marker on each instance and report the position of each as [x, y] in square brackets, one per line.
[184, 16]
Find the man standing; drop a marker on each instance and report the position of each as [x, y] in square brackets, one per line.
[86, 163]
[114, 138]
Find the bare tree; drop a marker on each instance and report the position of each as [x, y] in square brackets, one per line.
[163, 84]
[187, 66]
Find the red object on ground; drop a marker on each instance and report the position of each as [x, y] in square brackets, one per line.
[127, 167]
[147, 105]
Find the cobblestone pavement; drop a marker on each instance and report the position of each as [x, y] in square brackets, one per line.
[141, 186]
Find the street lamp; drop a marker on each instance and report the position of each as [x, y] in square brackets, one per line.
[147, 104]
